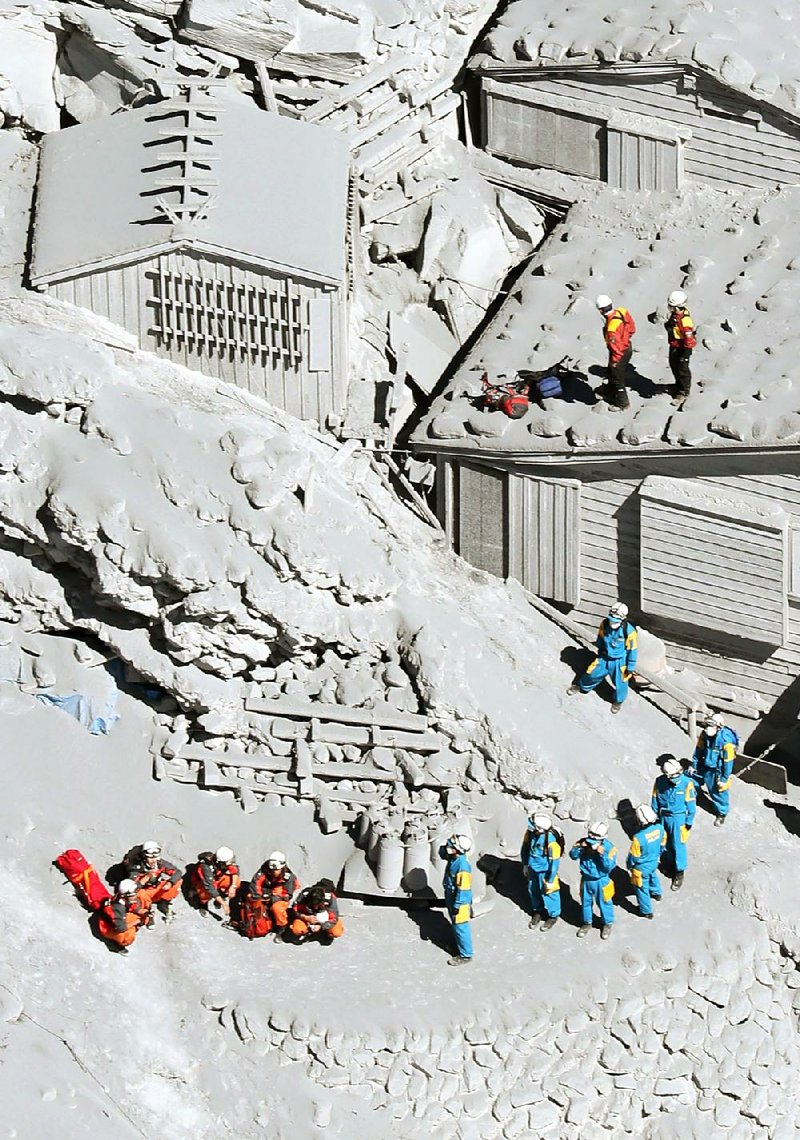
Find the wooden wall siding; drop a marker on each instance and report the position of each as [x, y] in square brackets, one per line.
[722, 149]
[569, 142]
[684, 578]
[482, 518]
[543, 540]
[125, 296]
[635, 162]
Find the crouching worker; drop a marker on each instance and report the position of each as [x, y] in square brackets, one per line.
[315, 914]
[278, 885]
[119, 921]
[214, 881]
[457, 885]
[598, 857]
[160, 879]
[643, 859]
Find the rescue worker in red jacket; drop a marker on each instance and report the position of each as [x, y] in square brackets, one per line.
[215, 880]
[682, 339]
[120, 919]
[315, 914]
[278, 884]
[159, 878]
[618, 328]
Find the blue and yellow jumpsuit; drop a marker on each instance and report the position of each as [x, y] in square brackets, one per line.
[541, 853]
[458, 899]
[616, 658]
[675, 803]
[596, 883]
[713, 766]
[642, 864]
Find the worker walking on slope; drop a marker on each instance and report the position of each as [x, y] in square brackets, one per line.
[155, 875]
[278, 885]
[214, 881]
[458, 896]
[617, 649]
[598, 857]
[675, 803]
[542, 848]
[681, 339]
[712, 764]
[618, 329]
[120, 920]
[643, 857]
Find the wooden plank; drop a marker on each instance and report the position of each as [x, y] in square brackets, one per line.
[260, 761]
[267, 90]
[384, 715]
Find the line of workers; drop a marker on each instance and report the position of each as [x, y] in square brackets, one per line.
[659, 841]
[272, 901]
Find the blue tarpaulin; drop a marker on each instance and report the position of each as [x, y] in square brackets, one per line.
[84, 710]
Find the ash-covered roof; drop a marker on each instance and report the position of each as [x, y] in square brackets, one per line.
[735, 254]
[236, 181]
[752, 48]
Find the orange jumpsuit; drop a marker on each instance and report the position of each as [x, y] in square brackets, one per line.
[304, 916]
[215, 881]
[278, 888]
[161, 884]
[120, 918]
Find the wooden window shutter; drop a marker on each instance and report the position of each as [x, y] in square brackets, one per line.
[546, 537]
[483, 518]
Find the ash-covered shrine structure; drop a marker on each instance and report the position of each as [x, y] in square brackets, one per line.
[213, 232]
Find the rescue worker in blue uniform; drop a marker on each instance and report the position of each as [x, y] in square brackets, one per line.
[642, 863]
[542, 848]
[617, 649]
[598, 857]
[458, 896]
[675, 803]
[712, 764]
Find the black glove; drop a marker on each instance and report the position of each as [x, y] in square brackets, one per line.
[688, 826]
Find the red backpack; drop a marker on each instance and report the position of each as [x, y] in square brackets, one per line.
[253, 919]
[89, 887]
[511, 399]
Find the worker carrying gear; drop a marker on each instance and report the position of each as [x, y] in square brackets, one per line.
[540, 854]
[249, 913]
[121, 918]
[681, 339]
[618, 329]
[597, 858]
[674, 801]
[315, 914]
[277, 884]
[214, 880]
[712, 764]
[618, 646]
[160, 879]
[457, 884]
[643, 858]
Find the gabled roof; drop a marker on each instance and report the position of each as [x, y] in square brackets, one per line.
[235, 181]
[752, 48]
[734, 254]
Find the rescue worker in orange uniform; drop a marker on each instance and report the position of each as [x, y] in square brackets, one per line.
[278, 885]
[159, 878]
[215, 880]
[682, 339]
[618, 328]
[315, 914]
[120, 919]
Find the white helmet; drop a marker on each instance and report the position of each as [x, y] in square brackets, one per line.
[540, 822]
[127, 887]
[676, 299]
[150, 847]
[223, 855]
[460, 843]
[645, 815]
[672, 767]
[619, 611]
[276, 859]
[597, 830]
[604, 303]
[715, 721]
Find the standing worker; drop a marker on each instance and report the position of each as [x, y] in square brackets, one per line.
[713, 764]
[618, 328]
[458, 896]
[681, 337]
[542, 848]
[598, 857]
[617, 649]
[120, 919]
[648, 840]
[675, 803]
